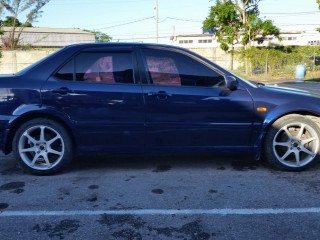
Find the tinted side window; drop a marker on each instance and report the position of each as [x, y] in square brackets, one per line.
[104, 67]
[66, 72]
[162, 70]
[99, 67]
[173, 68]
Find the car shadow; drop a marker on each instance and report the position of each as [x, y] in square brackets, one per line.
[154, 163]
[162, 163]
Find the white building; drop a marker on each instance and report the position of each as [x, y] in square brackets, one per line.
[292, 39]
[286, 39]
[195, 40]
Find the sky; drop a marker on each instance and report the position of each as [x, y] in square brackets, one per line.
[133, 20]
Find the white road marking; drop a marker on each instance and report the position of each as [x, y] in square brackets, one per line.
[219, 212]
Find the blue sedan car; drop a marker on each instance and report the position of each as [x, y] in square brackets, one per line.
[116, 98]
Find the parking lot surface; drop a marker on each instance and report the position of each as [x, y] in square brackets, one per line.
[310, 86]
[163, 197]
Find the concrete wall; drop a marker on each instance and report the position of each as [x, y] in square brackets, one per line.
[14, 61]
[218, 56]
[50, 37]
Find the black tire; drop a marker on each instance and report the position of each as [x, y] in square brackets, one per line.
[42, 147]
[292, 142]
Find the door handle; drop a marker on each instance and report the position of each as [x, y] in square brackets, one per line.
[152, 94]
[164, 93]
[62, 91]
[161, 95]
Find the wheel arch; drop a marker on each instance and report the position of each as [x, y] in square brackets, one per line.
[270, 119]
[14, 126]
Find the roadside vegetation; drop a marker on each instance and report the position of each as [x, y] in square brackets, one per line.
[280, 62]
[237, 22]
[15, 8]
[31, 11]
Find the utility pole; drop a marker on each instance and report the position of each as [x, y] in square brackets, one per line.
[314, 58]
[157, 21]
[174, 34]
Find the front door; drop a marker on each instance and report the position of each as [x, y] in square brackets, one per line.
[188, 104]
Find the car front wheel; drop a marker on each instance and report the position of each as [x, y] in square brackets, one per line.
[42, 146]
[292, 142]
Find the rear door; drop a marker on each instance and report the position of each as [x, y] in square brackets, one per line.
[97, 89]
[188, 104]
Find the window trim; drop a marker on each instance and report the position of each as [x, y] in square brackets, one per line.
[183, 52]
[100, 50]
[53, 75]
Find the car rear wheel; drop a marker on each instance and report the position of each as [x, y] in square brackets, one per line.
[292, 142]
[42, 146]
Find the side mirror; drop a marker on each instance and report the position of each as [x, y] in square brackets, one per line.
[232, 83]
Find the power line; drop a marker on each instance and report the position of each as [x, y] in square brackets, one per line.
[299, 24]
[115, 22]
[63, 2]
[184, 19]
[140, 20]
[138, 38]
[124, 24]
[275, 13]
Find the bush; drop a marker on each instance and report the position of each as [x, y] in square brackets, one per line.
[280, 60]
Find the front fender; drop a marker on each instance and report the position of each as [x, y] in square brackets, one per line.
[303, 108]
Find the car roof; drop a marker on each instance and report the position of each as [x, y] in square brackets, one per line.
[118, 44]
[123, 44]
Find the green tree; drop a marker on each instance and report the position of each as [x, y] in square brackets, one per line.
[10, 21]
[30, 8]
[237, 21]
[318, 2]
[225, 21]
[100, 36]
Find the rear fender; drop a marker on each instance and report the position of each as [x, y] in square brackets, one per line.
[26, 113]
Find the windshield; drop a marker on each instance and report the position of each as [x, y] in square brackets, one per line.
[257, 84]
[249, 82]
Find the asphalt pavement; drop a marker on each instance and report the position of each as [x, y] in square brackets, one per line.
[313, 87]
[163, 197]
